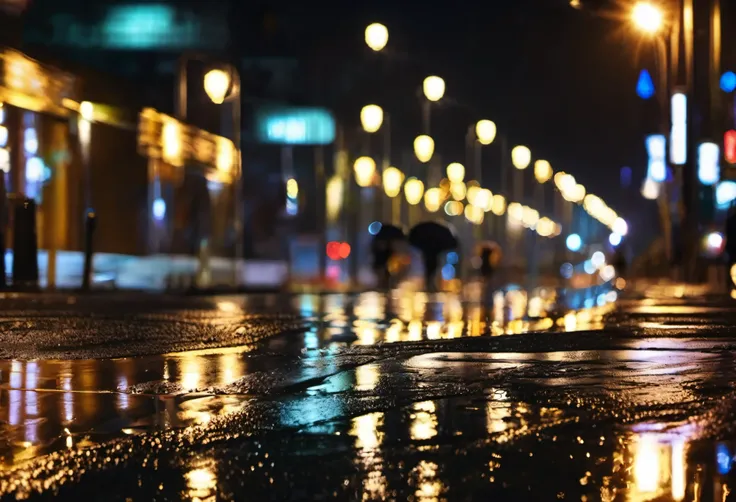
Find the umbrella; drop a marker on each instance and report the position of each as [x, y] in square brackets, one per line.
[382, 248]
[432, 238]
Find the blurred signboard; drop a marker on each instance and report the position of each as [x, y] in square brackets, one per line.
[295, 126]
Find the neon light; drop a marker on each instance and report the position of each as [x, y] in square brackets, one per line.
[657, 150]
[574, 242]
[729, 146]
[728, 81]
[678, 135]
[725, 193]
[159, 209]
[30, 141]
[708, 163]
[644, 86]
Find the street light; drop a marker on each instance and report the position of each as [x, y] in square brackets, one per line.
[434, 88]
[376, 36]
[216, 85]
[365, 170]
[456, 172]
[433, 199]
[424, 148]
[413, 190]
[542, 171]
[486, 131]
[647, 17]
[371, 118]
[521, 157]
[392, 180]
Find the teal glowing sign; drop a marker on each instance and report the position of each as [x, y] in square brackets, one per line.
[295, 126]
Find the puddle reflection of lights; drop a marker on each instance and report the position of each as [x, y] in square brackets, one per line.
[229, 307]
[647, 464]
[723, 459]
[366, 377]
[122, 397]
[231, 368]
[428, 487]
[190, 372]
[202, 483]
[365, 430]
[424, 421]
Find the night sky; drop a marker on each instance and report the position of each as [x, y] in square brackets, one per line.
[560, 80]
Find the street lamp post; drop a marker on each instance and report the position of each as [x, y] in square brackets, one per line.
[480, 134]
[521, 157]
[220, 86]
[223, 86]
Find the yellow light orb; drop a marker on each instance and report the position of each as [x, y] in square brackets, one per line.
[393, 178]
[413, 190]
[365, 170]
[485, 130]
[456, 172]
[216, 85]
[521, 157]
[434, 88]
[376, 36]
[424, 148]
[371, 118]
[542, 171]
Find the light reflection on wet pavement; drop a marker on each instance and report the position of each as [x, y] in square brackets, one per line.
[423, 404]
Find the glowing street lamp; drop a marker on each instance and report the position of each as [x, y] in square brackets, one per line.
[456, 172]
[542, 171]
[392, 181]
[433, 199]
[365, 170]
[371, 118]
[434, 88]
[376, 36]
[521, 157]
[486, 131]
[216, 85]
[424, 148]
[647, 17]
[413, 190]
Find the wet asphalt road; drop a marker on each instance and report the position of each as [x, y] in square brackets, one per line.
[640, 406]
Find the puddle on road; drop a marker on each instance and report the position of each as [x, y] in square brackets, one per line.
[52, 405]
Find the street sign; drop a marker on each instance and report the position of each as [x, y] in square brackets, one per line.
[295, 126]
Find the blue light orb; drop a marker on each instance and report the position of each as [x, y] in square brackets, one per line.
[645, 86]
[566, 270]
[723, 459]
[728, 81]
[615, 239]
[159, 209]
[453, 258]
[448, 272]
[574, 242]
[374, 228]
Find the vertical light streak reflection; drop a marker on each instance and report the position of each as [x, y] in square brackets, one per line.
[366, 377]
[368, 439]
[68, 396]
[191, 372]
[201, 481]
[429, 487]
[123, 399]
[678, 470]
[415, 331]
[15, 396]
[231, 368]
[424, 421]
[647, 464]
[31, 384]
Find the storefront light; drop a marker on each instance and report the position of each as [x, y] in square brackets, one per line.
[30, 141]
